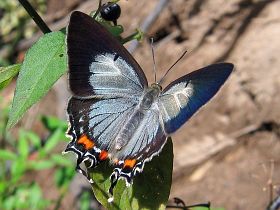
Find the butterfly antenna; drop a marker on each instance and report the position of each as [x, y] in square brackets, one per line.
[154, 61]
[160, 81]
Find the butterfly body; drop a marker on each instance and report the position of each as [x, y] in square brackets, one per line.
[113, 113]
[137, 120]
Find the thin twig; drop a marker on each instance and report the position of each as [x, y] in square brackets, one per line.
[35, 16]
[98, 10]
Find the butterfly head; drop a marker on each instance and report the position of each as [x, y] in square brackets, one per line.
[150, 95]
[156, 86]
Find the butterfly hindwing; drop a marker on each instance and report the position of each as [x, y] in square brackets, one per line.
[99, 120]
[98, 64]
[183, 97]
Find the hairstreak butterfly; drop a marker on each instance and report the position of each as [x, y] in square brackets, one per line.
[113, 113]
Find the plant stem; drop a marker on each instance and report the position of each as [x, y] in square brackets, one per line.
[35, 16]
[129, 38]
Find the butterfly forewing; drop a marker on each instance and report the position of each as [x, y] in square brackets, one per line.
[183, 97]
[99, 66]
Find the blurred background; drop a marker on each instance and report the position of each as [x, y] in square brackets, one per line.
[228, 153]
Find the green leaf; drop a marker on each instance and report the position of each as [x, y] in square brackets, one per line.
[115, 30]
[52, 123]
[40, 164]
[17, 169]
[9, 203]
[5, 83]
[7, 155]
[63, 176]
[4, 186]
[61, 160]
[35, 197]
[85, 200]
[34, 138]
[23, 147]
[59, 177]
[9, 72]
[53, 140]
[44, 64]
[150, 189]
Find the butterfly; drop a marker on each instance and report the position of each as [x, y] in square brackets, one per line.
[113, 113]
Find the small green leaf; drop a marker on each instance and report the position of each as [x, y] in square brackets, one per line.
[115, 30]
[59, 177]
[40, 164]
[5, 83]
[34, 139]
[53, 140]
[52, 123]
[61, 161]
[138, 35]
[9, 72]
[35, 196]
[23, 147]
[150, 189]
[17, 169]
[3, 187]
[44, 64]
[63, 176]
[85, 200]
[7, 155]
[9, 203]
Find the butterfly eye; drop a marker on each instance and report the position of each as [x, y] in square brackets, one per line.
[110, 11]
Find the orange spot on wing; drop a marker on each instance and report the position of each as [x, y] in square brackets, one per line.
[129, 163]
[84, 140]
[103, 155]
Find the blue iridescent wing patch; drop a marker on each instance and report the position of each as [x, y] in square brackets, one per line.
[183, 97]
